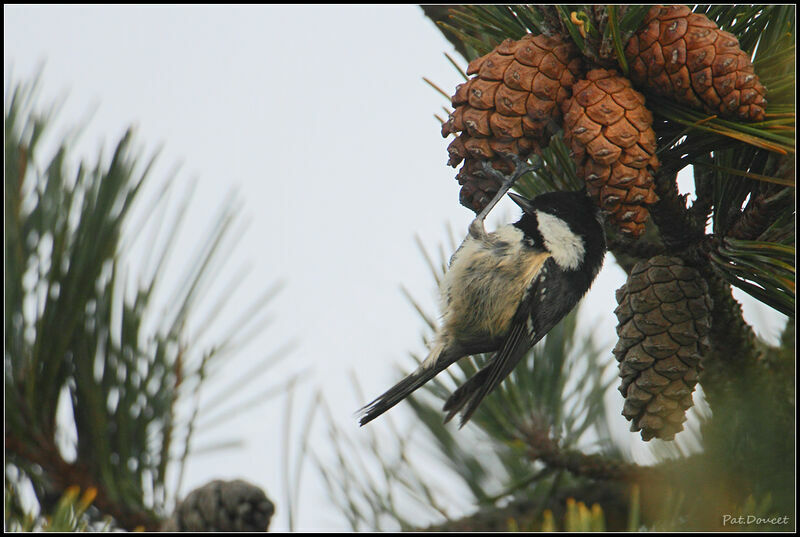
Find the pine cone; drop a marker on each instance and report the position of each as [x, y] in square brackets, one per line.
[224, 506]
[685, 56]
[663, 316]
[510, 107]
[609, 131]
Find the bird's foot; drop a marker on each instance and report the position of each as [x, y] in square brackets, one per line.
[521, 167]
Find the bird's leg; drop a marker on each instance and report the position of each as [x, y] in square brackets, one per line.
[521, 167]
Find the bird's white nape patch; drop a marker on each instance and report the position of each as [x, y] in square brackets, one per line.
[566, 247]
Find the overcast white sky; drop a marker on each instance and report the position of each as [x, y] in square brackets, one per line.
[318, 118]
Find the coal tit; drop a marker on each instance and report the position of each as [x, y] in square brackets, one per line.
[503, 291]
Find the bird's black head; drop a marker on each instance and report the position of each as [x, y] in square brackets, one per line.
[567, 224]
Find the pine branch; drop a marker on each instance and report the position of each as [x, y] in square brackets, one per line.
[732, 338]
[760, 213]
[60, 475]
[526, 513]
[700, 211]
[677, 228]
[541, 447]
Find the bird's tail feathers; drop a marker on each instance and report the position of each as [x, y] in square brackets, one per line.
[470, 394]
[438, 359]
[463, 394]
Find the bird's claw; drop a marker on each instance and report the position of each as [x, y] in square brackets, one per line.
[521, 167]
[490, 172]
[476, 228]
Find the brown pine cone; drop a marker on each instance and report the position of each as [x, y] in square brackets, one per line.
[222, 506]
[510, 107]
[685, 56]
[609, 131]
[664, 319]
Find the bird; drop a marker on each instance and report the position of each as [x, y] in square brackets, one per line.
[504, 291]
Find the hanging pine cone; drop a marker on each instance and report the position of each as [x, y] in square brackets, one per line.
[609, 131]
[663, 316]
[510, 107]
[685, 56]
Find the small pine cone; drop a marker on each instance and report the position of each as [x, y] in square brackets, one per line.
[664, 319]
[685, 56]
[610, 134]
[510, 107]
[224, 506]
[477, 188]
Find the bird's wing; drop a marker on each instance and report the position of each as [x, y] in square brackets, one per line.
[525, 332]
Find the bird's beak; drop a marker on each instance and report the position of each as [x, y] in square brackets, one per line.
[523, 202]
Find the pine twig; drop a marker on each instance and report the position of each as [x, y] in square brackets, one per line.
[62, 474]
[542, 447]
[759, 214]
[700, 211]
[678, 230]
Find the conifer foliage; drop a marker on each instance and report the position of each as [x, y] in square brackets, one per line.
[101, 391]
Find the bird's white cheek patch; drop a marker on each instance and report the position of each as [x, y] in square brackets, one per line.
[565, 246]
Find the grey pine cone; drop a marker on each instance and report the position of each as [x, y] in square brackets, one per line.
[222, 506]
[663, 323]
